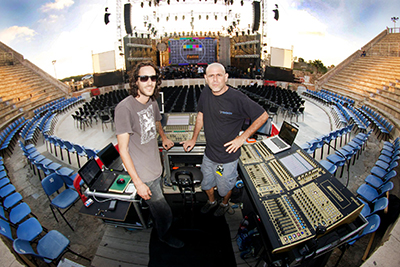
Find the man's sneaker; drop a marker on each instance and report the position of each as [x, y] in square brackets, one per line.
[222, 209]
[173, 241]
[208, 206]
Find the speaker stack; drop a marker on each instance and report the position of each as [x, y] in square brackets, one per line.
[257, 14]
[127, 18]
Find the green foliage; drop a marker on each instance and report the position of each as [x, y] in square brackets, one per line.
[75, 78]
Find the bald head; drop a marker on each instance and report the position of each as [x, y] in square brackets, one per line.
[214, 66]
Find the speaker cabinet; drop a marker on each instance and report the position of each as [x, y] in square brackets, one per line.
[257, 14]
[127, 17]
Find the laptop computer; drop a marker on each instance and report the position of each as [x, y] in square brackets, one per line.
[94, 178]
[111, 158]
[284, 140]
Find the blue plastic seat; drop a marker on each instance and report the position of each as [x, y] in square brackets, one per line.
[18, 213]
[4, 182]
[6, 190]
[11, 200]
[50, 248]
[369, 193]
[374, 222]
[80, 152]
[339, 161]
[70, 147]
[379, 172]
[27, 230]
[90, 153]
[329, 166]
[377, 182]
[64, 200]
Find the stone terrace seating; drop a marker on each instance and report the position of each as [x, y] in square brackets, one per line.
[22, 91]
[374, 80]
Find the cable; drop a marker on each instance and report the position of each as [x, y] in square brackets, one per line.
[345, 158]
[100, 201]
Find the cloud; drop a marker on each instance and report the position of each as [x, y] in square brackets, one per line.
[57, 5]
[17, 33]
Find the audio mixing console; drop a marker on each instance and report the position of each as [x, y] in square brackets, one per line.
[178, 127]
[296, 198]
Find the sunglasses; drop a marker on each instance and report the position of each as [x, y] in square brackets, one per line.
[145, 78]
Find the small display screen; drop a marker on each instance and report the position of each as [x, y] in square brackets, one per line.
[296, 164]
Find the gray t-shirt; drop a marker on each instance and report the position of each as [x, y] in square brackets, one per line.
[139, 121]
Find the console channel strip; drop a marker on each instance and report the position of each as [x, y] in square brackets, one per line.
[290, 227]
[263, 180]
[254, 153]
[316, 206]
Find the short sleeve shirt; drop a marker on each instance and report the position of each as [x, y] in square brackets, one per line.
[223, 118]
[139, 121]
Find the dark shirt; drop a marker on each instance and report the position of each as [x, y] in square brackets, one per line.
[223, 117]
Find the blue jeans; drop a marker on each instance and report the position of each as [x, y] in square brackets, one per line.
[160, 210]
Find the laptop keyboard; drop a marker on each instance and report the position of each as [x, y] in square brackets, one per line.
[278, 143]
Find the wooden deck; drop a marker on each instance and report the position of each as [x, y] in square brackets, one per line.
[128, 248]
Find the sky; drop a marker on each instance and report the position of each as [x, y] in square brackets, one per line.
[70, 31]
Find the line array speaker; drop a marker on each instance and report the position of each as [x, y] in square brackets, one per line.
[127, 17]
[256, 17]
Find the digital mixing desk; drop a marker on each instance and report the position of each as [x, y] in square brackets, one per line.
[295, 197]
[178, 127]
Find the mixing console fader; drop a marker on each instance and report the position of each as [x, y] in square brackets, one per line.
[294, 195]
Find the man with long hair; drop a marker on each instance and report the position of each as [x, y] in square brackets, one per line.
[137, 121]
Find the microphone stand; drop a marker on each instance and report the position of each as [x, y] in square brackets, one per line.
[346, 160]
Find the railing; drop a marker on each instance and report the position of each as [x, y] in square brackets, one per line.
[394, 30]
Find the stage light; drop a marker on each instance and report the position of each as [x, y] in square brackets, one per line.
[199, 17]
[216, 17]
[226, 18]
[276, 11]
[183, 17]
[141, 4]
[106, 16]
[215, 1]
[206, 17]
[241, 2]
[168, 2]
[176, 18]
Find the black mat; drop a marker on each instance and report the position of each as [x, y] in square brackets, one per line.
[207, 238]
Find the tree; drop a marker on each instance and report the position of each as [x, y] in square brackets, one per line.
[319, 66]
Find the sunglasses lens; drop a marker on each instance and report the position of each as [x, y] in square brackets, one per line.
[144, 79]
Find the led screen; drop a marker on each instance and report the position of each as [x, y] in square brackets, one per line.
[192, 50]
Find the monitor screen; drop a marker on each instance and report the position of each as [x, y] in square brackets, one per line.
[89, 171]
[288, 133]
[266, 128]
[108, 154]
[192, 50]
[160, 102]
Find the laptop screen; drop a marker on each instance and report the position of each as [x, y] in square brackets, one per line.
[108, 154]
[89, 171]
[288, 133]
[266, 128]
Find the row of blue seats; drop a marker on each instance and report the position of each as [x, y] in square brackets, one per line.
[69, 147]
[339, 97]
[340, 117]
[358, 118]
[7, 141]
[37, 124]
[319, 142]
[324, 97]
[23, 229]
[46, 107]
[380, 123]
